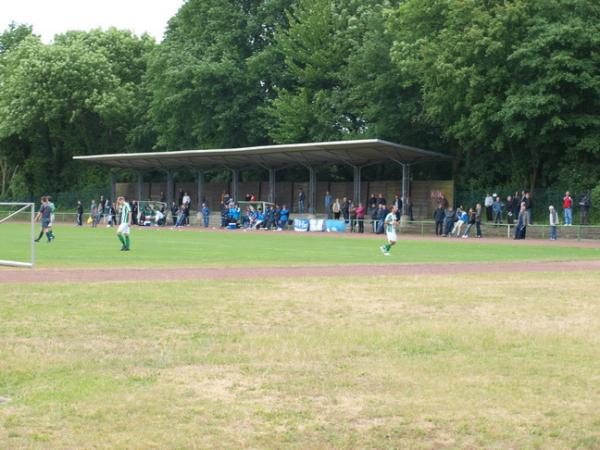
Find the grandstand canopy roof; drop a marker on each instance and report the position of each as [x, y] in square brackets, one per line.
[356, 153]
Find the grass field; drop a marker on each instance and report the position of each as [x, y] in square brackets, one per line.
[86, 247]
[484, 360]
[404, 362]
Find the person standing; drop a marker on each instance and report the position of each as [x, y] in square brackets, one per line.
[360, 217]
[134, 212]
[328, 202]
[449, 219]
[438, 218]
[478, 212]
[488, 202]
[79, 213]
[497, 210]
[301, 199]
[336, 208]
[180, 197]
[584, 207]
[123, 230]
[568, 209]
[44, 216]
[381, 200]
[398, 204]
[390, 223]
[346, 210]
[94, 213]
[509, 210]
[205, 214]
[372, 205]
[553, 223]
[522, 222]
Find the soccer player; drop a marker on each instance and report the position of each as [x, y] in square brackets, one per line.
[123, 230]
[52, 209]
[390, 230]
[45, 214]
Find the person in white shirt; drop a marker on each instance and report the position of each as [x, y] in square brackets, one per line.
[488, 202]
[553, 223]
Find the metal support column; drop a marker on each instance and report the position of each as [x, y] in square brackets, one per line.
[200, 189]
[312, 190]
[113, 186]
[170, 187]
[140, 185]
[271, 196]
[405, 187]
[357, 184]
[235, 180]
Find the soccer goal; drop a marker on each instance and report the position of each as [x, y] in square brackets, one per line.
[17, 232]
[256, 205]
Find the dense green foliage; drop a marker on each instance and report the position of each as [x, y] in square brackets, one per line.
[511, 89]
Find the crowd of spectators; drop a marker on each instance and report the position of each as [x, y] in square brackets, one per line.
[516, 210]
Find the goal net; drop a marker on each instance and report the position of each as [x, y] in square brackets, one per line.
[17, 230]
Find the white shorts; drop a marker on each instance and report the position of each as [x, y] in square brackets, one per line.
[391, 236]
[123, 228]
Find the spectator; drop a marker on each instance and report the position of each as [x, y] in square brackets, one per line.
[409, 206]
[584, 207]
[94, 213]
[462, 218]
[159, 218]
[248, 197]
[398, 204]
[382, 212]
[162, 198]
[360, 217]
[553, 223]
[79, 213]
[478, 212]
[337, 209]
[186, 200]
[509, 209]
[450, 218]
[301, 199]
[438, 217]
[174, 211]
[528, 208]
[345, 210]
[352, 215]
[134, 212]
[180, 197]
[568, 209]
[284, 216]
[381, 200]
[328, 203]
[488, 202]
[372, 205]
[522, 222]
[497, 210]
[443, 201]
[472, 220]
[205, 214]
[112, 214]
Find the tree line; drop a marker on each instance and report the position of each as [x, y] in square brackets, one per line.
[511, 89]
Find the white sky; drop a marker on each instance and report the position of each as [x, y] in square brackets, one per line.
[50, 17]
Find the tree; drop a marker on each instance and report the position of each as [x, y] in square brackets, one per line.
[213, 72]
[514, 83]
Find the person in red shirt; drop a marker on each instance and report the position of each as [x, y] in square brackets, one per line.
[360, 217]
[568, 209]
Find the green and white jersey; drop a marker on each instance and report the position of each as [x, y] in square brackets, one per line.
[389, 223]
[125, 210]
[52, 207]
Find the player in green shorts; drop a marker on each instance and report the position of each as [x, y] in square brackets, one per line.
[123, 230]
[390, 230]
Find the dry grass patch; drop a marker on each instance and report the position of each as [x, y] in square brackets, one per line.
[420, 362]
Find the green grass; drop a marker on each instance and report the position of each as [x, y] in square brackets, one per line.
[466, 361]
[86, 247]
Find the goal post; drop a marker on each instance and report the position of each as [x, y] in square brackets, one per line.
[17, 233]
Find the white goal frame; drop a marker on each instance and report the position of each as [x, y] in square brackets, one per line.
[23, 207]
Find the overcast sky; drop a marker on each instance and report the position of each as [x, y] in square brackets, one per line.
[50, 17]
